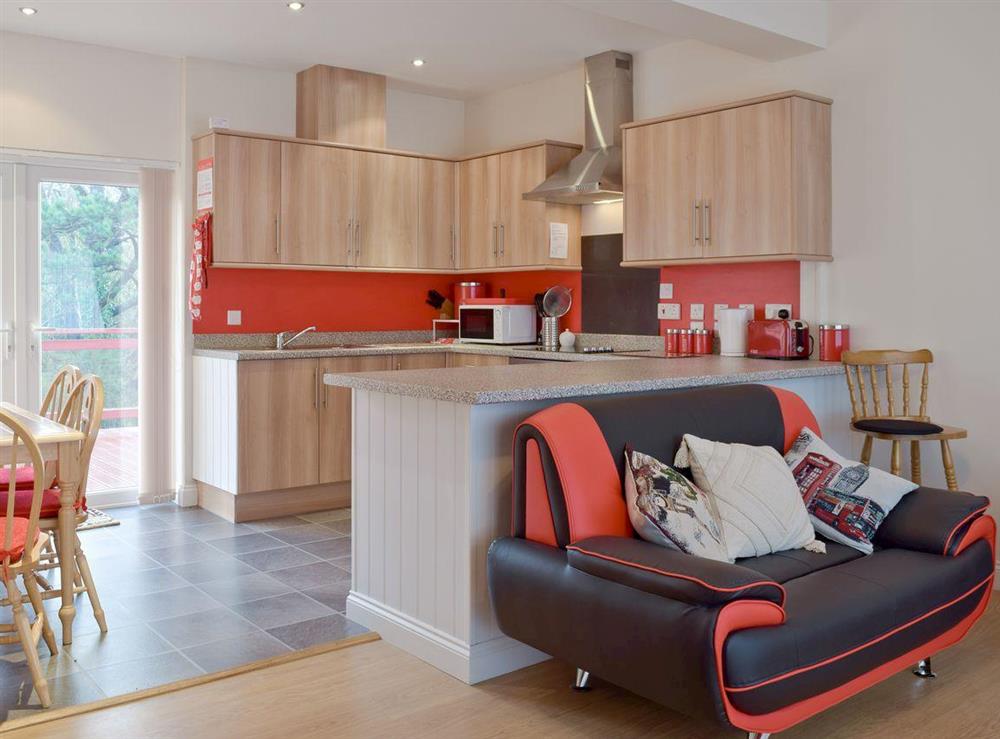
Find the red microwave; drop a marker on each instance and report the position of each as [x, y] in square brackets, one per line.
[779, 339]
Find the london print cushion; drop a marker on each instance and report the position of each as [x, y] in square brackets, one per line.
[847, 500]
[666, 508]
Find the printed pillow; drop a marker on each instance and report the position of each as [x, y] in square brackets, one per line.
[847, 501]
[666, 508]
[756, 496]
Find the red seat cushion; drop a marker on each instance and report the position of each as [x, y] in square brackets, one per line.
[24, 477]
[15, 547]
[22, 503]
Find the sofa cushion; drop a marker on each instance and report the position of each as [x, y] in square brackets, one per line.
[930, 520]
[670, 573]
[759, 503]
[669, 510]
[844, 621]
[847, 500]
[897, 426]
[788, 565]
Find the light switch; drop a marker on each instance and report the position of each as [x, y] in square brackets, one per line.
[234, 317]
[666, 290]
[771, 309]
[668, 311]
[717, 310]
[750, 307]
[697, 311]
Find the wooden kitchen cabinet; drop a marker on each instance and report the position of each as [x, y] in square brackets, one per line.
[387, 199]
[479, 212]
[278, 412]
[335, 415]
[749, 181]
[246, 197]
[317, 203]
[423, 360]
[438, 238]
[476, 360]
[499, 228]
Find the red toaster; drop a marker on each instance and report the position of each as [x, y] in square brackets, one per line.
[779, 339]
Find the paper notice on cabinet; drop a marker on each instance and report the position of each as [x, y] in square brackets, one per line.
[204, 184]
[558, 240]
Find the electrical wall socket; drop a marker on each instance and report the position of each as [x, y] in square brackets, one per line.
[697, 325]
[668, 311]
[717, 309]
[666, 290]
[234, 317]
[697, 311]
[750, 307]
[771, 309]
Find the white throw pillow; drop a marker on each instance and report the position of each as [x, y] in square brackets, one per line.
[666, 508]
[755, 493]
[847, 501]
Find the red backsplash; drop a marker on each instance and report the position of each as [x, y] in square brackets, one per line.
[279, 300]
[757, 283]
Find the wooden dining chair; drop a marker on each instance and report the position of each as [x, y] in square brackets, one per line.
[21, 542]
[83, 411]
[52, 407]
[894, 420]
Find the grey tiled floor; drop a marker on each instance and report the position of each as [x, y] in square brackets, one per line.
[186, 593]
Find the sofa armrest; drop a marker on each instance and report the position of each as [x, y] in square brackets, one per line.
[930, 520]
[669, 573]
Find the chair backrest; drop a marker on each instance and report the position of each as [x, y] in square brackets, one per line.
[58, 393]
[864, 366]
[24, 449]
[84, 411]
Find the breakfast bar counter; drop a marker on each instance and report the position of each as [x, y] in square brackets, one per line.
[432, 476]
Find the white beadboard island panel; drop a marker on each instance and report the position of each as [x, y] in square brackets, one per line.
[431, 490]
[215, 422]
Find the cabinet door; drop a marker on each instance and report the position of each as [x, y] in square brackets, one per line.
[523, 222]
[247, 187]
[278, 412]
[666, 168]
[751, 206]
[386, 210]
[479, 196]
[317, 197]
[335, 416]
[426, 360]
[476, 360]
[438, 239]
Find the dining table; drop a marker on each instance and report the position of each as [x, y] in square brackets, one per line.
[59, 445]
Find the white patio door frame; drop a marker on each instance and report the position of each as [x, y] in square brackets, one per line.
[11, 197]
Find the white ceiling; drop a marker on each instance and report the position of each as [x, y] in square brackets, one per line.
[471, 47]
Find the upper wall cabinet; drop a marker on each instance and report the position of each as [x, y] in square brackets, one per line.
[502, 230]
[282, 202]
[749, 181]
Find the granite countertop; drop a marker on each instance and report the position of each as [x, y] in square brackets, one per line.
[525, 382]
[306, 351]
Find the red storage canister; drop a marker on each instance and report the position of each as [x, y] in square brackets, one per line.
[670, 341]
[834, 340]
[701, 341]
[466, 291]
[684, 341]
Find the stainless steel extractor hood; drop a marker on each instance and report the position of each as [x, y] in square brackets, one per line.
[596, 173]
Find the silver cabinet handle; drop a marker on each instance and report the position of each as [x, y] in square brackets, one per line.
[707, 213]
[357, 242]
[694, 221]
[350, 226]
[494, 241]
[324, 388]
[502, 240]
[453, 246]
[316, 388]
[277, 234]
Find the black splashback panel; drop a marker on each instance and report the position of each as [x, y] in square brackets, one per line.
[616, 299]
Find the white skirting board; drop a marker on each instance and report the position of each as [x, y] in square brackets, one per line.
[431, 490]
[470, 664]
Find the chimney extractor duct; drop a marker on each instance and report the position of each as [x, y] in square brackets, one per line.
[596, 173]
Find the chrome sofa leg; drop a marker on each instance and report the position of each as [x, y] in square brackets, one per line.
[582, 680]
[756, 735]
[924, 670]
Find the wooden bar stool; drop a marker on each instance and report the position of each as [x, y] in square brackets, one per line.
[21, 543]
[863, 366]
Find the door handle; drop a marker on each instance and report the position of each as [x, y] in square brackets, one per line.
[494, 241]
[452, 246]
[277, 234]
[694, 222]
[8, 342]
[350, 240]
[316, 388]
[706, 211]
[357, 243]
[503, 238]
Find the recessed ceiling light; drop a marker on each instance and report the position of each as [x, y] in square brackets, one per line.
[296, 6]
[28, 11]
[418, 62]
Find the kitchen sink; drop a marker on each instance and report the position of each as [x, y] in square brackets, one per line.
[321, 347]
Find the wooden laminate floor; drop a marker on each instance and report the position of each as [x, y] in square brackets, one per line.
[376, 690]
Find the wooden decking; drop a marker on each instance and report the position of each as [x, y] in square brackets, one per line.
[115, 462]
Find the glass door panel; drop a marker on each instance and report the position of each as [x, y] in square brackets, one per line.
[87, 261]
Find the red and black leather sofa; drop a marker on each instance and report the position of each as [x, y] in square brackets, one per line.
[761, 644]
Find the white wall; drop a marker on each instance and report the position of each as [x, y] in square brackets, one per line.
[424, 123]
[68, 97]
[916, 158]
